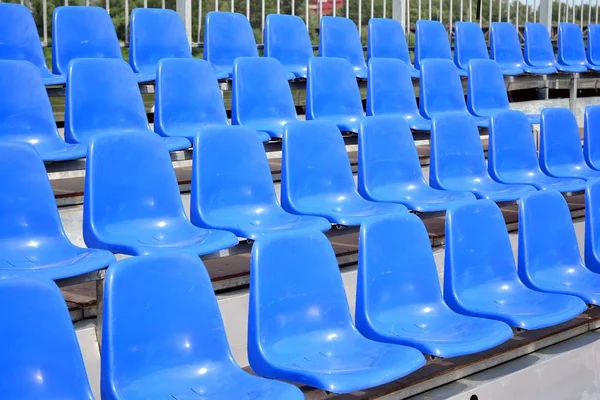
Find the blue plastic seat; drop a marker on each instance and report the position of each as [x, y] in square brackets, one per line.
[571, 48]
[549, 258]
[539, 51]
[390, 91]
[386, 40]
[287, 40]
[480, 275]
[232, 186]
[591, 136]
[151, 352]
[592, 225]
[41, 358]
[132, 203]
[85, 32]
[316, 178]
[155, 34]
[338, 37]
[300, 328]
[332, 93]
[458, 162]
[26, 114]
[32, 238]
[512, 157]
[469, 44]
[261, 96]
[486, 91]
[560, 146]
[398, 295]
[505, 49]
[441, 91]
[114, 105]
[431, 41]
[20, 40]
[593, 44]
[389, 169]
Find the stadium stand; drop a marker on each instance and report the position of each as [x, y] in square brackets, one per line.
[287, 40]
[338, 37]
[431, 42]
[571, 48]
[19, 40]
[386, 40]
[539, 51]
[295, 274]
[469, 44]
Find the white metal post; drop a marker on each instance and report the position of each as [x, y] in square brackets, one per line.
[546, 14]
[184, 9]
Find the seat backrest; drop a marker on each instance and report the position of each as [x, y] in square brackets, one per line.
[505, 46]
[39, 361]
[141, 334]
[287, 40]
[456, 149]
[187, 96]
[593, 43]
[227, 36]
[390, 89]
[571, 48]
[295, 289]
[592, 224]
[26, 114]
[485, 88]
[154, 34]
[395, 266]
[314, 161]
[129, 176]
[469, 44]
[19, 38]
[230, 169]
[386, 40]
[332, 89]
[338, 37]
[440, 88]
[478, 249]
[591, 135]
[27, 200]
[387, 154]
[547, 236]
[260, 91]
[538, 46]
[511, 144]
[82, 32]
[102, 96]
[559, 139]
[431, 41]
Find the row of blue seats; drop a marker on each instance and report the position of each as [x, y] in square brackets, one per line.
[102, 97]
[299, 326]
[132, 202]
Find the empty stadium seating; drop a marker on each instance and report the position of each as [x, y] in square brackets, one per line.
[132, 203]
[431, 42]
[549, 258]
[85, 32]
[261, 96]
[486, 91]
[295, 276]
[560, 146]
[458, 162]
[155, 34]
[19, 40]
[149, 351]
[338, 37]
[389, 169]
[390, 92]
[593, 44]
[40, 357]
[320, 182]
[26, 115]
[512, 156]
[287, 40]
[386, 40]
[332, 93]
[469, 44]
[398, 296]
[539, 51]
[571, 49]
[480, 275]
[232, 186]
